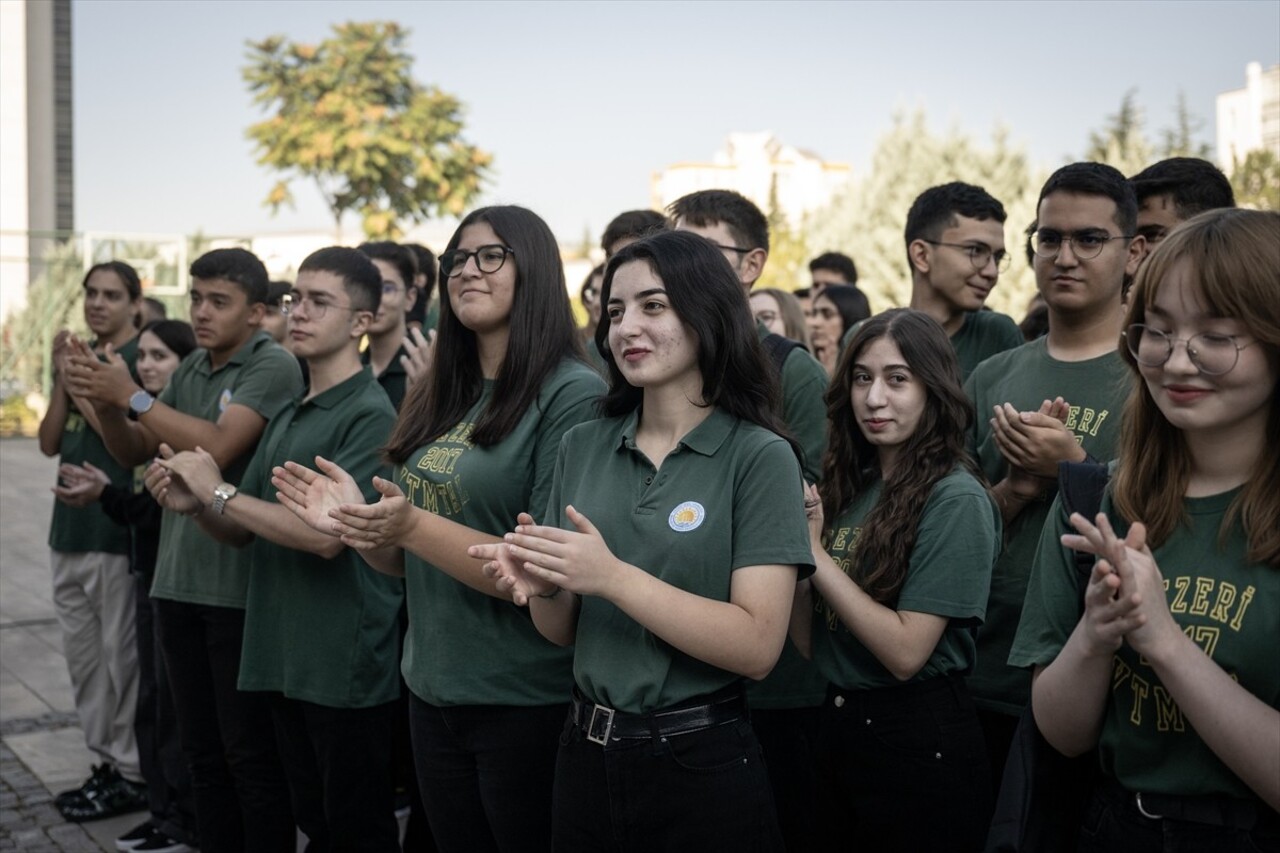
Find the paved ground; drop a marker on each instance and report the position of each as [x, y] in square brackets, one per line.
[41, 747]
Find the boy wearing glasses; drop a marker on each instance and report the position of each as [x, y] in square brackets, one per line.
[321, 640]
[955, 248]
[1054, 399]
[220, 398]
[386, 352]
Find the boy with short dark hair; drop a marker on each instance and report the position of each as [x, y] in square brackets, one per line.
[1174, 190]
[628, 227]
[386, 352]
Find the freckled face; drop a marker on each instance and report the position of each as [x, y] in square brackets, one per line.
[650, 344]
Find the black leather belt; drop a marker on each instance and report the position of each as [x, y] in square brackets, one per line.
[1222, 811]
[604, 725]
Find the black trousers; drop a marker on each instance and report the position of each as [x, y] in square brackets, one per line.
[228, 739]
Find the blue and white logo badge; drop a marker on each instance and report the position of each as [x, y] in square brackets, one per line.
[224, 400]
[687, 516]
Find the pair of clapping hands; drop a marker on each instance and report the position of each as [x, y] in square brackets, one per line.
[86, 377]
[1125, 598]
[1033, 443]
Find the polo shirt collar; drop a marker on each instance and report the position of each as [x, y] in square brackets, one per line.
[335, 395]
[240, 356]
[705, 439]
[392, 368]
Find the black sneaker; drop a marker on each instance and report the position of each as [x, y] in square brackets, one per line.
[100, 776]
[114, 795]
[161, 843]
[131, 839]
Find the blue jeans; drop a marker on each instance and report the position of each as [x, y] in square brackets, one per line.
[485, 772]
[242, 799]
[1113, 823]
[707, 790]
[905, 768]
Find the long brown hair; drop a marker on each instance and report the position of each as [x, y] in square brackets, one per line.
[851, 466]
[542, 335]
[1235, 262]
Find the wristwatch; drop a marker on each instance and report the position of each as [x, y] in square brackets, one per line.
[140, 402]
[222, 493]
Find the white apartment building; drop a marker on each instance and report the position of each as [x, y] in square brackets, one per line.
[756, 165]
[1249, 118]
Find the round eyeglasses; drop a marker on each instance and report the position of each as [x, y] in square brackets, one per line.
[489, 258]
[1213, 355]
[979, 255]
[315, 306]
[1085, 245]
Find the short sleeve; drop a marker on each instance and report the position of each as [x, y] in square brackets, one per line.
[957, 543]
[269, 382]
[575, 401]
[769, 525]
[804, 383]
[1052, 605]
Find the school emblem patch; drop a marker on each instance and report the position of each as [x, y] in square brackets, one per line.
[687, 516]
[224, 400]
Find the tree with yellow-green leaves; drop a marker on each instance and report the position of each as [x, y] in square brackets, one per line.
[347, 114]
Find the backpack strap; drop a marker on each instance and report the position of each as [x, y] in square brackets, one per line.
[1081, 487]
[779, 348]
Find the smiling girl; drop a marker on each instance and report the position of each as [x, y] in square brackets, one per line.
[1171, 671]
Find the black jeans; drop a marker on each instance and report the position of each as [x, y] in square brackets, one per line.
[905, 768]
[242, 800]
[169, 797]
[338, 762]
[703, 791]
[789, 738]
[486, 772]
[1113, 823]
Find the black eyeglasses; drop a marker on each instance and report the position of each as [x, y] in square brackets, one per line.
[738, 249]
[488, 259]
[1213, 355]
[1086, 245]
[979, 255]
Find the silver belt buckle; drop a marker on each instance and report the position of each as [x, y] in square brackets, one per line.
[1137, 798]
[607, 714]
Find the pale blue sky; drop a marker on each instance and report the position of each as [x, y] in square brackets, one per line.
[581, 101]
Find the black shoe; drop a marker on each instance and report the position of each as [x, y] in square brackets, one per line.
[158, 842]
[115, 795]
[101, 775]
[135, 836]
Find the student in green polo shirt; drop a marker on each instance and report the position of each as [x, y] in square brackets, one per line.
[92, 587]
[785, 705]
[903, 568]
[668, 559]
[321, 636]
[1171, 669]
[220, 398]
[474, 445]
[386, 353]
[1054, 399]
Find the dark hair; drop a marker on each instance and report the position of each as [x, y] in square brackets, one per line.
[935, 210]
[746, 223]
[1036, 323]
[850, 302]
[707, 297]
[1096, 179]
[175, 334]
[156, 305]
[401, 257]
[836, 262]
[633, 224]
[360, 278]
[1030, 245]
[541, 336]
[586, 283]
[1195, 185]
[235, 265]
[426, 263]
[128, 277]
[851, 465]
[276, 291]
[801, 293]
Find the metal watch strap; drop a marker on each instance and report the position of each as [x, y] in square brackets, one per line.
[222, 493]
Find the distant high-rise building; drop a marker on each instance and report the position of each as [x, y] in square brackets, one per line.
[37, 190]
[758, 166]
[1249, 118]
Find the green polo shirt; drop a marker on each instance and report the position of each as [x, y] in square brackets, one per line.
[465, 647]
[82, 529]
[957, 540]
[264, 376]
[1228, 604]
[728, 496]
[323, 631]
[1025, 377]
[983, 334]
[394, 380]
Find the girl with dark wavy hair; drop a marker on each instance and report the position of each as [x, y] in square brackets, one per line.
[904, 535]
[475, 444]
[668, 559]
[1170, 671]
